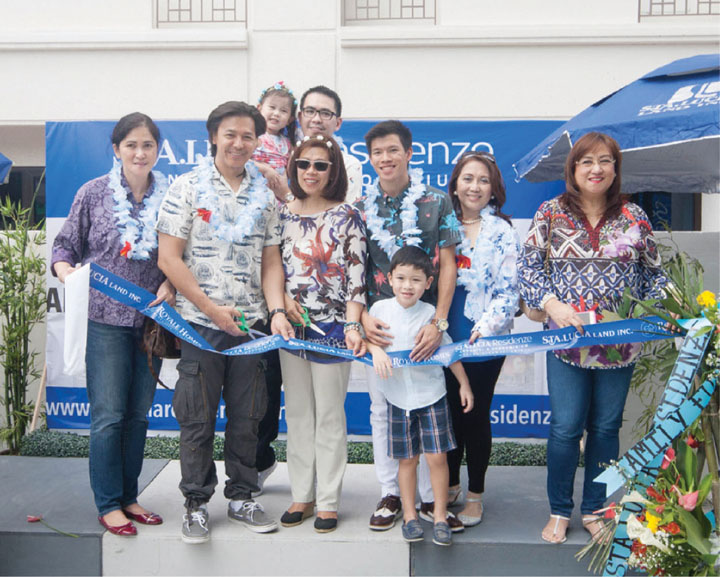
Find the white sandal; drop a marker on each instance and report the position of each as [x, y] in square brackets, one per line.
[454, 495]
[557, 518]
[589, 520]
[470, 520]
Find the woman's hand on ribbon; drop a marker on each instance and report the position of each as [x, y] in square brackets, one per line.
[563, 315]
[475, 335]
[355, 343]
[166, 293]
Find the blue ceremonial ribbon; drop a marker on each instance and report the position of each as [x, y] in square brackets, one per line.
[613, 333]
[673, 399]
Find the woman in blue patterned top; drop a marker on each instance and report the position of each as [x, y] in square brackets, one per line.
[484, 304]
[584, 248]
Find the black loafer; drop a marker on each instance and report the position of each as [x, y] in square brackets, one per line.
[325, 525]
[289, 519]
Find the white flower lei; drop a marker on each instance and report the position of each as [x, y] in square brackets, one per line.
[408, 216]
[475, 279]
[244, 223]
[138, 236]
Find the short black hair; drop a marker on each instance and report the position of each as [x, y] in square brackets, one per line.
[233, 108]
[386, 128]
[329, 92]
[413, 256]
[130, 122]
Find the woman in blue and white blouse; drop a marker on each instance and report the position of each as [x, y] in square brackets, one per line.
[484, 304]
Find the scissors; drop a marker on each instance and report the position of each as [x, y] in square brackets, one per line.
[243, 326]
[308, 323]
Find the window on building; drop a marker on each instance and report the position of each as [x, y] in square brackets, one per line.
[359, 12]
[176, 13]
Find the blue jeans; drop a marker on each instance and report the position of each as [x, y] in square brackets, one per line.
[120, 389]
[592, 399]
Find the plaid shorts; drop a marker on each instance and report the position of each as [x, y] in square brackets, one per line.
[425, 430]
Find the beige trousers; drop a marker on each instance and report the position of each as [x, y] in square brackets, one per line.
[317, 430]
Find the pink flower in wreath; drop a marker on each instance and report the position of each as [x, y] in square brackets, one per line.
[688, 501]
[668, 458]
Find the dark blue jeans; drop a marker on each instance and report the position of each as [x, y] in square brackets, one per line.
[580, 399]
[120, 389]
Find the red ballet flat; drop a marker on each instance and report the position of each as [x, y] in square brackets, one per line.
[126, 530]
[144, 518]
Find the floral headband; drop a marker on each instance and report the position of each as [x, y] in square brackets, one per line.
[319, 137]
[279, 86]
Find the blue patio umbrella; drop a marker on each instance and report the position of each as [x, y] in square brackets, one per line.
[667, 124]
[5, 165]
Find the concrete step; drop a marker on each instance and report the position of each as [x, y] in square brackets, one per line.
[507, 542]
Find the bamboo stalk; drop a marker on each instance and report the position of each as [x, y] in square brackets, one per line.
[712, 462]
[38, 401]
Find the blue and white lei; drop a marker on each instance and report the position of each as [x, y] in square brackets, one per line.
[408, 216]
[479, 279]
[207, 198]
[137, 236]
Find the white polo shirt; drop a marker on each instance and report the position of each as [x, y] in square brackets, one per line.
[408, 388]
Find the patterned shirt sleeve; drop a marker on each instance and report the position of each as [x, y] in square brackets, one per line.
[176, 211]
[273, 228]
[653, 277]
[448, 223]
[355, 250]
[503, 305]
[70, 243]
[534, 281]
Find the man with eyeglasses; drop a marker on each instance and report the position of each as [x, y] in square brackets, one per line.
[321, 113]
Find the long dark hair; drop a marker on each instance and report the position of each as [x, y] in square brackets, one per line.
[571, 198]
[337, 183]
[498, 197]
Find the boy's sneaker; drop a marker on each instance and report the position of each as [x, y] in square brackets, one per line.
[427, 513]
[386, 513]
[196, 525]
[262, 477]
[442, 534]
[412, 531]
[252, 515]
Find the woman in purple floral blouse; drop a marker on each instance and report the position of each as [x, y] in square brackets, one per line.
[583, 249]
[112, 223]
[323, 250]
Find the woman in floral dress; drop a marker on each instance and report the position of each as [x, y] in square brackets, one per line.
[323, 249]
[484, 304]
[584, 248]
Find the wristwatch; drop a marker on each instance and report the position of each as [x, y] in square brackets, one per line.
[441, 324]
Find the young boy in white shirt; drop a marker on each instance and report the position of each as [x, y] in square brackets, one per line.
[418, 414]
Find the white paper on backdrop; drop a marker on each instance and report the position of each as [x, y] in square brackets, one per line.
[77, 289]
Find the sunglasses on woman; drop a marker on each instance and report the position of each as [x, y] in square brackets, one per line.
[319, 165]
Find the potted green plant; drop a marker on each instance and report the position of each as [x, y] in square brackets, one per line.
[22, 307]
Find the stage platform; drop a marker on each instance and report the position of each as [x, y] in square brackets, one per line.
[507, 542]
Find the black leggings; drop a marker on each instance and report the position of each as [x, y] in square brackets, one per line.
[472, 430]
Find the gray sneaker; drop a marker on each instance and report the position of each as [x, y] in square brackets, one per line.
[196, 525]
[253, 516]
[262, 477]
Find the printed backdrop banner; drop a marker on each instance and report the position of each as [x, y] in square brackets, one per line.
[80, 151]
